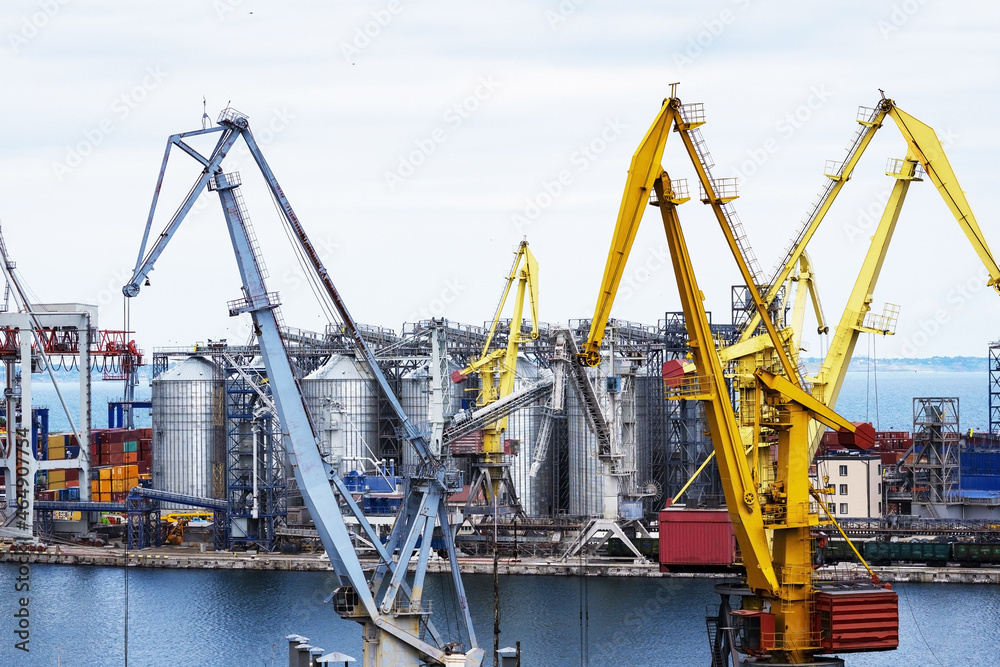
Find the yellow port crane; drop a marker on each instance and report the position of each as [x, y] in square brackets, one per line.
[925, 156]
[497, 371]
[785, 617]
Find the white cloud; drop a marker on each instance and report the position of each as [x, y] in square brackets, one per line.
[452, 217]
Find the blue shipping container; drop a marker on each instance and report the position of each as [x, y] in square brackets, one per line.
[980, 482]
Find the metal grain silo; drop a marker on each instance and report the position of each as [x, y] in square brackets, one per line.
[187, 408]
[522, 426]
[415, 397]
[585, 481]
[343, 400]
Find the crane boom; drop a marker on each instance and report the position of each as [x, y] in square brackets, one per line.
[643, 170]
[738, 479]
[928, 151]
[394, 627]
[870, 120]
[641, 173]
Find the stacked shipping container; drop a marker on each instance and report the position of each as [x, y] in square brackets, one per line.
[119, 459]
[119, 446]
[889, 445]
[60, 484]
[113, 483]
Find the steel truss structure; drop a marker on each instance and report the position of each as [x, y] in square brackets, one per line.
[670, 436]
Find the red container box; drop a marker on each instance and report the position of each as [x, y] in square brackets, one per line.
[144, 467]
[696, 537]
[467, 444]
[857, 620]
[756, 629]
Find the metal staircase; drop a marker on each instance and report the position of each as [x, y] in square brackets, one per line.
[586, 393]
[834, 171]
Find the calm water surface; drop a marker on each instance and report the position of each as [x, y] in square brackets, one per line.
[204, 617]
[201, 617]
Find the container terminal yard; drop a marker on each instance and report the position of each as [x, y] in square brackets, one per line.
[601, 447]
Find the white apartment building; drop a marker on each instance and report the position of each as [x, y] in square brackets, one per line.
[857, 480]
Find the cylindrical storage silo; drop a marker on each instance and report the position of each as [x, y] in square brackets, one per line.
[522, 426]
[585, 479]
[185, 400]
[416, 397]
[343, 400]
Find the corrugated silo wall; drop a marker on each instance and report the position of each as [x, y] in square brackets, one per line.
[415, 397]
[183, 419]
[535, 493]
[583, 469]
[353, 398]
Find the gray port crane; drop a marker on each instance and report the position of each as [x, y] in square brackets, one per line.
[398, 630]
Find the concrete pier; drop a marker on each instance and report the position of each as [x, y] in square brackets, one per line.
[194, 558]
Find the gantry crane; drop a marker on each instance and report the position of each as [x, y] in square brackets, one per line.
[398, 630]
[785, 618]
[497, 370]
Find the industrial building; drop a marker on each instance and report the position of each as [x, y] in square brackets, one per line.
[855, 480]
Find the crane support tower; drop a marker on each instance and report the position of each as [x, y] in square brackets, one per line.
[398, 630]
[787, 617]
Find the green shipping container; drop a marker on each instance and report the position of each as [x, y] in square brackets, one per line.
[131, 446]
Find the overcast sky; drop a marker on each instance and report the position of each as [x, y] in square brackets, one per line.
[420, 141]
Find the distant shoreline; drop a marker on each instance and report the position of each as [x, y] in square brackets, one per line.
[914, 365]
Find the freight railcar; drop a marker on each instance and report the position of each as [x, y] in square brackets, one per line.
[924, 553]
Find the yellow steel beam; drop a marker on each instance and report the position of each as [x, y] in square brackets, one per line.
[924, 144]
[737, 479]
[713, 199]
[644, 168]
[838, 357]
[846, 172]
[818, 410]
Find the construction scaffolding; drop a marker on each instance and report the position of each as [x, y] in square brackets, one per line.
[994, 362]
[933, 458]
